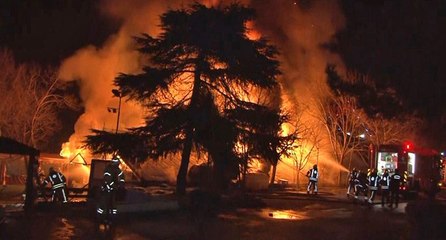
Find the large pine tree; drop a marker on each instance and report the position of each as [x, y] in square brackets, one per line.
[195, 87]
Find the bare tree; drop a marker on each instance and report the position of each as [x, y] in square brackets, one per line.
[390, 131]
[344, 123]
[307, 139]
[31, 97]
[307, 145]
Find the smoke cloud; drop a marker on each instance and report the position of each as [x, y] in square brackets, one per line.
[297, 28]
[300, 29]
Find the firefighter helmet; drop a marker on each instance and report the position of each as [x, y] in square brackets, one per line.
[115, 159]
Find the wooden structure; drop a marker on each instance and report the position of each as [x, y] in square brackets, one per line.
[10, 146]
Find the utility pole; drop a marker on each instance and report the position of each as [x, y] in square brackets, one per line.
[118, 94]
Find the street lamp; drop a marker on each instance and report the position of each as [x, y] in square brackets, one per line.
[118, 94]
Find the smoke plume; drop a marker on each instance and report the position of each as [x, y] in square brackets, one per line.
[297, 28]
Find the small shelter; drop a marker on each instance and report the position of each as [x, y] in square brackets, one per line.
[10, 146]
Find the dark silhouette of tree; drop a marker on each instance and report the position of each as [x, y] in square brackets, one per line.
[384, 121]
[384, 102]
[195, 87]
[399, 45]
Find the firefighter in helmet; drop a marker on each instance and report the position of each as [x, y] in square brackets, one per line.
[351, 182]
[361, 183]
[313, 176]
[395, 182]
[113, 180]
[385, 183]
[373, 182]
[58, 185]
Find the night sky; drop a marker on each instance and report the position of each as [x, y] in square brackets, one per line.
[399, 43]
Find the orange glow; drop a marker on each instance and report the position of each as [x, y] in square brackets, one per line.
[255, 165]
[251, 33]
[303, 64]
[72, 153]
[287, 215]
[123, 165]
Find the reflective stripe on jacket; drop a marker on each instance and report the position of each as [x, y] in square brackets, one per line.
[313, 174]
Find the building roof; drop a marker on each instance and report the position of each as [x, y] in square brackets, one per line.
[11, 146]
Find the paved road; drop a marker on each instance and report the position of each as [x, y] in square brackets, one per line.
[277, 215]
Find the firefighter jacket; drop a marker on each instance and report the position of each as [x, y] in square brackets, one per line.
[313, 174]
[385, 181]
[373, 182]
[113, 178]
[352, 176]
[56, 179]
[361, 181]
[395, 181]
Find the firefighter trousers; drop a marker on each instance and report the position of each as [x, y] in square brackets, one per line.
[107, 207]
[60, 195]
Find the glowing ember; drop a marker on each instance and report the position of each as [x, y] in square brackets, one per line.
[287, 214]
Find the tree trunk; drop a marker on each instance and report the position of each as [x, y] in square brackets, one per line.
[273, 174]
[185, 157]
[245, 172]
[298, 177]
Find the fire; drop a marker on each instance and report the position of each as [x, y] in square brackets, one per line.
[252, 33]
[297, 33]
[66, 151]
[256, 165]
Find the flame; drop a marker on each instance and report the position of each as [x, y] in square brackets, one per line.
[251, 32]
[298, 33]
[68, 151]
[65, 152]
[256, 165]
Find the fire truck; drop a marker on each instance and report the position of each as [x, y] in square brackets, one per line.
[419, 167]
[443, 169]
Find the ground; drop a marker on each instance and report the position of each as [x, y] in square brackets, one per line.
[278, 214]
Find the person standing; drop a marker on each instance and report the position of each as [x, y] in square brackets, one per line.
[361, 185]
[313, 176]
[385, 183]
[373, 185]
[351, 182]
[395, 182]
[58, 185]
[113, 180]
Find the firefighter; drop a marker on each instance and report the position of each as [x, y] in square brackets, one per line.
[351, 182]
[113, 181]
[373, 182]
[385, 183]
[58, 185]
[313, 176]
[361, 185]
[395, 182]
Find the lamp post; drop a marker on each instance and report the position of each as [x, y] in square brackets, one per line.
[118, 94]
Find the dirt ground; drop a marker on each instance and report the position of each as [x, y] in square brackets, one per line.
[284, 214]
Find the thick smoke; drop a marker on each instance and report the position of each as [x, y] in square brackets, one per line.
[298, 29]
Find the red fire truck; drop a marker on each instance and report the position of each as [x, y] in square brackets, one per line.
[419, 167]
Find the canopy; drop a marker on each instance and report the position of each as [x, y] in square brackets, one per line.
[11, 146]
